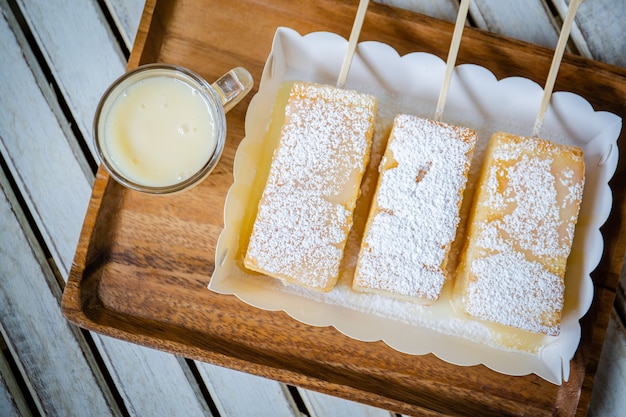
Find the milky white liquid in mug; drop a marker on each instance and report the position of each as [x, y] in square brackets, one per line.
[160, 131]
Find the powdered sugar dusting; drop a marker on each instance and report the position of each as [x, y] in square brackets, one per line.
[525, 215]
[305, 212]
[415, 212]
[508, 302]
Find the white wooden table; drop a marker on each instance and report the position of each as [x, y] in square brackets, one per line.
[56, 59]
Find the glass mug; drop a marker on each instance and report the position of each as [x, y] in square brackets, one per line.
[161, 128]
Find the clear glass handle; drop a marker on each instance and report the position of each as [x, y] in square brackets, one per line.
[233, 86]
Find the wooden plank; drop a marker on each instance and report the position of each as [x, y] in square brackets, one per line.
[576, 38]
[599, 29]
[83, 66]
[56, 190]
[126, 14]
[12, 400]
[620, 299]
[440, 9]
[238, 394]
[44, 345]
[608, 392]
[8, 403]
[528, 20]
[151, 382]
[37, 151]
[324, 405]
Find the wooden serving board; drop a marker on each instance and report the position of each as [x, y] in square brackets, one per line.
[143, 262]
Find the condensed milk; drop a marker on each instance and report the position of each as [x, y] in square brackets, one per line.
[160, 131]
[161, 128]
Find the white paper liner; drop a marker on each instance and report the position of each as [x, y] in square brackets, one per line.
[410, 84]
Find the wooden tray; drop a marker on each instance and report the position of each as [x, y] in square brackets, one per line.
[143, 262]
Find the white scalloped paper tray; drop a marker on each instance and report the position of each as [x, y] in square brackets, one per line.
[410, 84]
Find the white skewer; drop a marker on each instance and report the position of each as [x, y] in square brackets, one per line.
[556, 62]
[452, 54]
[354, 38]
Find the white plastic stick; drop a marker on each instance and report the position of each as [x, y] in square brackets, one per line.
[556, 62]
[352, 42]
[452, 54]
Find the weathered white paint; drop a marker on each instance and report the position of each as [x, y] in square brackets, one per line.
[441, 9]
[80, 50]
[528, 20]
[12, 400]
[126, 15]
[151, 382]
[36, 148]
[239, 394]
[576, 37]
[608, 397]
[323, 405]
[598, 30]
[52, 356]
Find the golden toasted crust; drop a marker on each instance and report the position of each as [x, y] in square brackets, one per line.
[520, 233]
[305, 212]
[415, 212]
